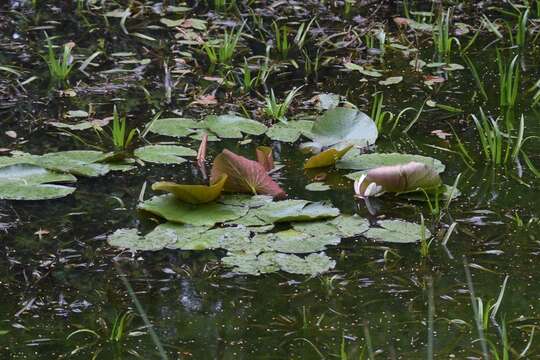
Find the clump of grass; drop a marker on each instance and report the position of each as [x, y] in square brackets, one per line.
[377, 113]
[277, 110]
[121, 138]
[59, 67]
[224, 5]
[441, 35]
[223, 53]
[282, 44]
[509, 80]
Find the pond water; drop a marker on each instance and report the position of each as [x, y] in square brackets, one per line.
[59, 274]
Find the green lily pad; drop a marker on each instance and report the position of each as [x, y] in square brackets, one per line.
[391, 80]
[396, 231]
[164, 154]
[290, 131]
[232, 126]
[250, 263]
[184, 237]
[364, 162]
[130, 239]
[177, 127]
[77, 162]
[172, 209]
[312, 264]
[296, 210]
[344, 126]
[295, 242]
[317, 186]
[344, 226]
[30, 182]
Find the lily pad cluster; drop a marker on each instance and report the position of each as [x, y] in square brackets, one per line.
[25, 176]
[258, 234]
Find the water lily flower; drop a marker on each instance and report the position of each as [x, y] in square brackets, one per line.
[402, 178]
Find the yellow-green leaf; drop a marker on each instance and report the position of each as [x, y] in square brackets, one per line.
[193, 194]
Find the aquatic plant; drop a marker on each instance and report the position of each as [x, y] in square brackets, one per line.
[59, 67]
[412, 176]
[225, 48]
[441, 34]
[120, 136]
[278, 110]
[509, 80]
[377, 114]
[281, 34]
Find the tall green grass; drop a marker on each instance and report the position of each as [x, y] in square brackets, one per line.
[509, 80]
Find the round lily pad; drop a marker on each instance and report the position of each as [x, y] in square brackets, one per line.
[232, 126]
[168, 207]
[396, 231]
[164, 154]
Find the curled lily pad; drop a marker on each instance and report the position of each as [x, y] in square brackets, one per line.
[409, 177]
[164, 154]
[172, 209]
[264, 157]
[397, 231]
[244, 175]
[193, 194]
[30, 182]
[357, 161]
[232, 126]
[326, 158]
[344, 126]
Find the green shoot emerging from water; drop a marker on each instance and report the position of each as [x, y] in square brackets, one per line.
[509, 80]
[277, 110]
[223, 53]
[441, 35]
[120, 137]
[377, 114]
[59, 68]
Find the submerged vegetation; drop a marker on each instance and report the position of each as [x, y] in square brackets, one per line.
[244, 179]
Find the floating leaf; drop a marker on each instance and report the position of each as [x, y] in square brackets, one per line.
[77, 162]
[326, 158]
[172, 209]
[164, 154]
[344, 226]
[232, 126]
[312, 264]
[244, 175]
[317, 186]
[391, 80]
[326, 101]
[296, 210]
[251, 264]
[130, 239]
[193, 194]
[408, 177]
[264, 157]
[396, 231]
[289, 132]
[357, 161]
[344, 126]
[296, 242]
[177, 127]
[30, 182]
